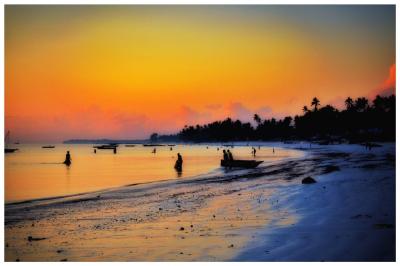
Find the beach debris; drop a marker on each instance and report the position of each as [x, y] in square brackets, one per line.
[181, 229]
[64, 260]
[331, 168]
[160, 209]
[383, 226]
[30, 238]
[358, 216]
[308, 180]
[191, 225]
[230, 246]
[60, 250]
[17, 259]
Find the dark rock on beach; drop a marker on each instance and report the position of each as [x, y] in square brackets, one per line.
[308, 180]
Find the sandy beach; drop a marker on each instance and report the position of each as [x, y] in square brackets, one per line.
[264, 214]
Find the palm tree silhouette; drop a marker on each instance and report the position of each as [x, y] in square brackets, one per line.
[349, 103]
[305, 109]
[315, 103]
[257, 119]
[361, 104]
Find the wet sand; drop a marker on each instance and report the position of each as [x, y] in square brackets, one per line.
[254, 215]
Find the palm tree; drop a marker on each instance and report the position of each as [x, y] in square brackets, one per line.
[257, 119]
[305, 109]
[349, 103]
[315, 103]
[361, 104]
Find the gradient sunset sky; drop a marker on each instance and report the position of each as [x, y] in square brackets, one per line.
[128, 71]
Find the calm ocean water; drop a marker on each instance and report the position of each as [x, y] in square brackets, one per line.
[34, 172]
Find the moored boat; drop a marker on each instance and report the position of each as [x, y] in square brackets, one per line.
[6, 141]
[153, 145]
[106, 147]
[241, 163]
[48, 147]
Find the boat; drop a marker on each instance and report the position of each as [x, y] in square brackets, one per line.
[153, 145]
[241, 163]
[9, 150]
[130, 145]
[111, 146]
[48, 147]
[6, 140]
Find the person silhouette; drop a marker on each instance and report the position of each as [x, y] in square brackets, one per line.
[230, 156]
[67, 159]
[178, 163]
[226, 157]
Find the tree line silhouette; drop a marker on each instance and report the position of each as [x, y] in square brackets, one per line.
[360, 121]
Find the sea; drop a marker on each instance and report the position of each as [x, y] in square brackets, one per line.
[33, 172]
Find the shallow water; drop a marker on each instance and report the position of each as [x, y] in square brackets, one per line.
[33, 172]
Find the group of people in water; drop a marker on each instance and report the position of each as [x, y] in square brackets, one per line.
[227, 155]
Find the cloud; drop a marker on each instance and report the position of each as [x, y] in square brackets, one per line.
[264, 111]
[388, 87]
[213, 106]
[94, 122]
[237, 110]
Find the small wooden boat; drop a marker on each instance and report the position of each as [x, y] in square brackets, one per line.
[48, 147]
[9, 150]
[153, 145]
[106, 147]
[241, 163]
[6, 141]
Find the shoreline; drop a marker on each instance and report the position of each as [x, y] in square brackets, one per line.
[234, 211]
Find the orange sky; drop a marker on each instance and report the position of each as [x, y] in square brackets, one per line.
[124, 72]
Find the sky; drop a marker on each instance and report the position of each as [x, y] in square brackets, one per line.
[124, 72]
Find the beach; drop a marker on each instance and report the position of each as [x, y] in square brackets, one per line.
[262, 214]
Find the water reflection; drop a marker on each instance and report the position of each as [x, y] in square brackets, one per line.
[34, 172]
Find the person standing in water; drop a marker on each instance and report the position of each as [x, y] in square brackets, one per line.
[230, 156]
[67, 159]
[179, 162]
[226, 157]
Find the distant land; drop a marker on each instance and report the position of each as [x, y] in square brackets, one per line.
[105, 141]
